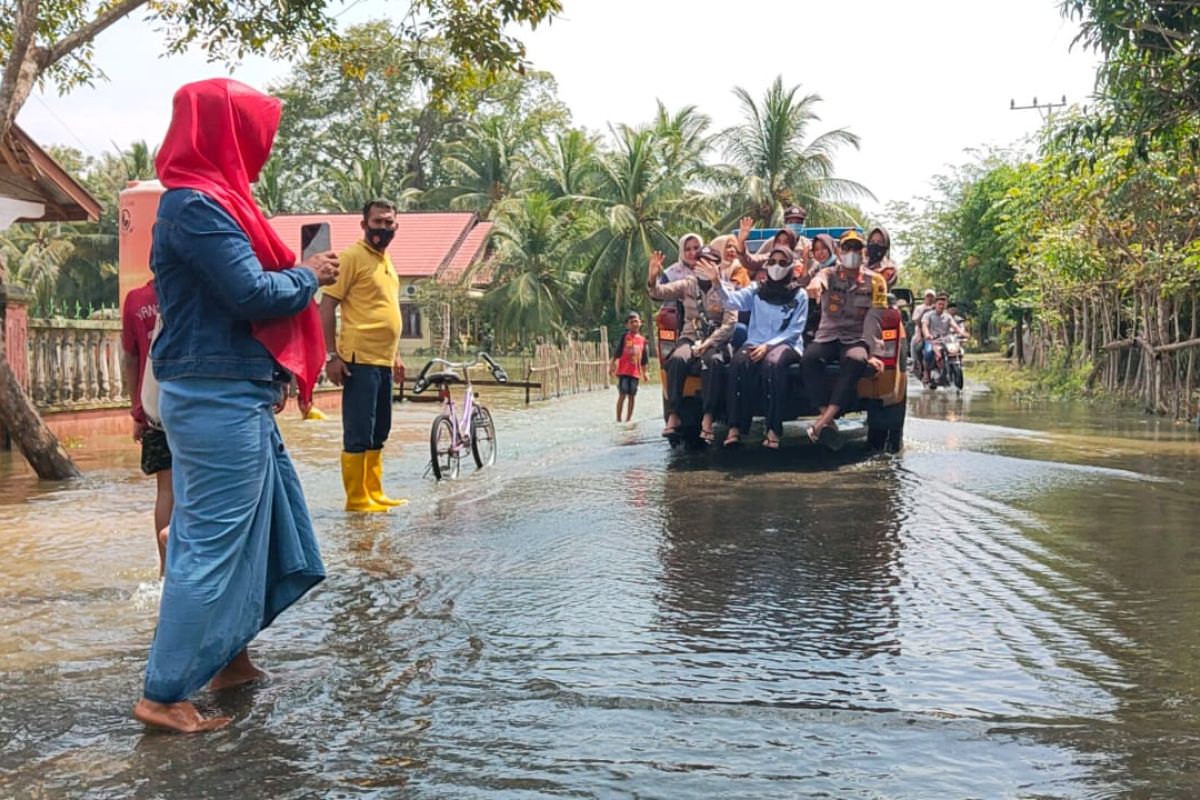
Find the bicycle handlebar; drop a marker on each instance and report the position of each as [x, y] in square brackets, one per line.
[421, 383]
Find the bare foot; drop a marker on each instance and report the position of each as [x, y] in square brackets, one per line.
[238, 672]
[179, 717]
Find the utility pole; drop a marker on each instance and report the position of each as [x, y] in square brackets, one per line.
[1045, 109]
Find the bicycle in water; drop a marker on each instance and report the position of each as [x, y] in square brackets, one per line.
[453, 433]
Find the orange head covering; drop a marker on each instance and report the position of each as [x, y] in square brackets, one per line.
[220, 137]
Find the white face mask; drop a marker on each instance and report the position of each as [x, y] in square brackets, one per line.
[851, 260]
[778, 272]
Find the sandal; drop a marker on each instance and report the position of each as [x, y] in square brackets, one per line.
[707, 436]
[770, 444]
[669, 432]
[733, 440]
[812, 434]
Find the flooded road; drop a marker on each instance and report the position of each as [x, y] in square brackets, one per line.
[1007, 609]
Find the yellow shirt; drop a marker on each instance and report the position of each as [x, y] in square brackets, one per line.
[369, 292]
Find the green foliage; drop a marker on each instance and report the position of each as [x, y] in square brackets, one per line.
[774, 163]
[1149, 82]
[532, 293]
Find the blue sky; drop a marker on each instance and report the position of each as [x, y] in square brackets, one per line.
[919, 81]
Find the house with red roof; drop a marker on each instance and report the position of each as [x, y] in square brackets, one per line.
[429, 245]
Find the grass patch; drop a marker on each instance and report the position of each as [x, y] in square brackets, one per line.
[1060, 381]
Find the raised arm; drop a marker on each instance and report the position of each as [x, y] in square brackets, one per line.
[220, 254]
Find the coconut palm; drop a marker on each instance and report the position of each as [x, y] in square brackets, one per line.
[34, 255]
[777, 164]
[138, 161]
[532, 289]
[365, 180]
[563, 167]
[485, 167]
[634, 197]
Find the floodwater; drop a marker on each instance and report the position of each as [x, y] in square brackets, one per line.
[1007, 609]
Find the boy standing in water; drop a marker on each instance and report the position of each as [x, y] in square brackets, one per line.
[629, 360]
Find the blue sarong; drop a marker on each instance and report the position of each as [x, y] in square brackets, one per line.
[241, 547]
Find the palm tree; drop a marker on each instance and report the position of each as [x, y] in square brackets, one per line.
[777, 164]
[532, 290]
[485, 167]
[138, 161]
[365, 180]
[563, 168]
[34, 256]
[634, 197]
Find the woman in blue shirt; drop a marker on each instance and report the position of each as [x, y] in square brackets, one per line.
[778, 311]
[236, 310]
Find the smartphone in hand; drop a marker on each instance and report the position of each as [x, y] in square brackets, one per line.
[314, 238]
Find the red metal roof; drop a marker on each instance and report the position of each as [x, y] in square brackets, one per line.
[425, 241]
[470, 251]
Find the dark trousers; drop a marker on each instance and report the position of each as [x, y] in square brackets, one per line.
[714, 380]
[679, 365]
[842, 391]
[749, 381]
[366, 408]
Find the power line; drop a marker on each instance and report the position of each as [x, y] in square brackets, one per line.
[65, 126]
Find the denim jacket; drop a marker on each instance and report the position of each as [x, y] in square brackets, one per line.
[210, 287]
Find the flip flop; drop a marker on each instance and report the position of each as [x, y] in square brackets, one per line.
[708, 436]
[770, 444]
[732, 441]
[812, 435]
[667, 433]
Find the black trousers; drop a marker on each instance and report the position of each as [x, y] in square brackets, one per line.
[366, 408]
[679, 365]
[842, 391]
[754, 385]
[714, 379]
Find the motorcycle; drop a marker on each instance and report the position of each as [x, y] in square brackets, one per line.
[947, 363]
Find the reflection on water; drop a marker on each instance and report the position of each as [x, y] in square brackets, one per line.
[1007, 609]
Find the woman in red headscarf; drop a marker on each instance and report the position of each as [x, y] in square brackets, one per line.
[238, 324]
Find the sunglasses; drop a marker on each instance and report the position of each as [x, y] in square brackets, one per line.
[773, 263]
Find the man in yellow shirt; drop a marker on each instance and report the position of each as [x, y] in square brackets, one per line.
[366, 359]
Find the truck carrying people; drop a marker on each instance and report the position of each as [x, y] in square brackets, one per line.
[815, 335]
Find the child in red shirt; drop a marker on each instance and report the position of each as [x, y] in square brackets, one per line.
[629, 359]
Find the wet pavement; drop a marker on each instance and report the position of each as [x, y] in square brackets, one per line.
[1006, 609]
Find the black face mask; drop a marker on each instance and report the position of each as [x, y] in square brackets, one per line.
[380, 238]
[875, 253]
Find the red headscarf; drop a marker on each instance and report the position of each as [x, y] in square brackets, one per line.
[220, 137]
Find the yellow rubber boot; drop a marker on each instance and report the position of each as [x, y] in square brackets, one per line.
[374, 480]
[354, 479]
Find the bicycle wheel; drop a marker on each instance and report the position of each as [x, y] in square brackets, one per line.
[483, 438]
[443, 451]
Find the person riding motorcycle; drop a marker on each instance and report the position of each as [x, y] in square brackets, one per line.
[853, 299]
[934, 325]
[918, 338]
[706, 330]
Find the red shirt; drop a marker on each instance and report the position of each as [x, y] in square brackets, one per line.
[137, 323]
[631, 355]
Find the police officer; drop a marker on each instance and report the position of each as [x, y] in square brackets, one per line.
[852, 300]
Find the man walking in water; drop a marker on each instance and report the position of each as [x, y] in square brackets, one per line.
[138, 316]
[366, 358]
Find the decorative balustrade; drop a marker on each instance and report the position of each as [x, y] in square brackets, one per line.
[76, 364]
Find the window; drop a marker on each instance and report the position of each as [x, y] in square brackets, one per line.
[410, 313]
